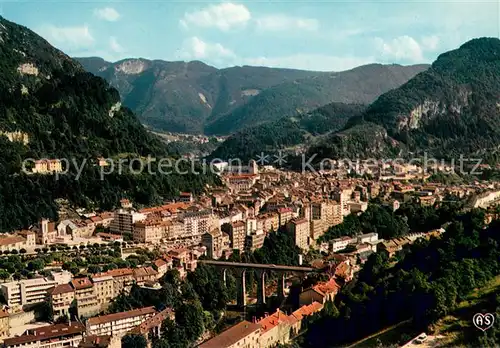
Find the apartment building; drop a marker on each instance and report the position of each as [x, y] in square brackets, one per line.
[268, 222]
[118, 323]
[216, 242]
[143, 275]
[150, 231]
[341, 243]
[31, 291]
[104, 290]
[61, 297]
[300, 231]
[122, 279]
[357, 207]
[237, 232]
[275, 329]
[123, 221]
[174, 229]
[198, 222]
[367, 238]
[163, 265]
[255, 240]
[285, 215]
[317, 228]
[85, 296]
[51, 336]
[242, 335]
[243, 182]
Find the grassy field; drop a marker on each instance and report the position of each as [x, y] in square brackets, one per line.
[457, 326]
[388, 337]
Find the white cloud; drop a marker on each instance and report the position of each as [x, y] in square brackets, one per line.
[400, 48]
[107, 13]
[317, 62]
[430, 43]
[196, 48]
[114, 45]
[68, 38]
[223, 16]
[281, 22]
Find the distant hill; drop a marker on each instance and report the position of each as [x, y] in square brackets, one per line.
[67, 113]
[182, 97]
[450, 109]
[360, 85]
[286, 132]
[193, 97]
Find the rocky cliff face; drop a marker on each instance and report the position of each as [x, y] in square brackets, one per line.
[447, 110]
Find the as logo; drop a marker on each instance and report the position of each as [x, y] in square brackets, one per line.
[483, 321]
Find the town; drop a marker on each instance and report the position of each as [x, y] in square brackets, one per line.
[77, 268]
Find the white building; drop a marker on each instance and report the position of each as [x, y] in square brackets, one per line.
[124, 220]
[118, 324]
[30, 291]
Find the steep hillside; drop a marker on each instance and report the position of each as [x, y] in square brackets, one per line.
[61, 111]
[450, 109]
[182, 97]
[196, 98]
[360, 85]
[287, 132]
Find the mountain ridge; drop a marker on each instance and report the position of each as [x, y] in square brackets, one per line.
[192, 97]
[50, 107]
[450, 109]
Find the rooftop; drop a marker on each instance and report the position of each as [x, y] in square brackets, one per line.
[120, 316]
[46, 333]
[232, 335]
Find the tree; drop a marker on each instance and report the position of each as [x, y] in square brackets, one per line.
[36, 265]
[4, 274]
[134, 341]
[331, 310]
[94, 269]
[190, 317]
[172, 277]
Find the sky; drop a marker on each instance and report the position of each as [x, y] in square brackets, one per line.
[326, 35]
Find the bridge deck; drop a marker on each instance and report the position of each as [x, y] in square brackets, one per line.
[258, 266]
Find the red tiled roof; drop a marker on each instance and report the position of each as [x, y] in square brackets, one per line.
[47, 332]
[61, 289]
[119, 272]
[328, 287]
[81, 283]
[160, 262]
[231, 336]
[11, 240]
[122, 315]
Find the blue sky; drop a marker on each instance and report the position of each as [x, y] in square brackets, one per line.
[314, 35]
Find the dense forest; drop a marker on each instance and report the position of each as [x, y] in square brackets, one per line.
[69, 114]
[287, 131]
[359, 85]
[426, 284]
[447, 110]
[410, 217]
[192, 97]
